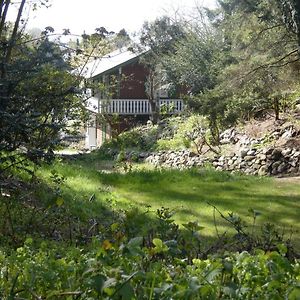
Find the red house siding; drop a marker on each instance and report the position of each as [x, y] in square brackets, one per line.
[133, 83]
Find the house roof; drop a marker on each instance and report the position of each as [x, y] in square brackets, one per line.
[109, 62]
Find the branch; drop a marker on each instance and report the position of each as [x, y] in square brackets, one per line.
[273, 64]
[263, 31]
[240, 230]
[282, 65]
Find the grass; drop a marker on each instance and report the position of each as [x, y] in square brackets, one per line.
[189, 193]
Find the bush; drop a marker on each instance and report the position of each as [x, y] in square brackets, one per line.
[185, 131]
[174, 133]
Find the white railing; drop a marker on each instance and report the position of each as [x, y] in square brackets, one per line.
[139, 106]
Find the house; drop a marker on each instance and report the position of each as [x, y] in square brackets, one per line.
[117, 99]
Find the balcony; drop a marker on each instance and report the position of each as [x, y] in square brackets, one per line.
[139, 106]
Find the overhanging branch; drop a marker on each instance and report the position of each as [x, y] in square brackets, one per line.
[275, 63]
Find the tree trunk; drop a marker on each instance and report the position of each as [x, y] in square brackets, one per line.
[4, 7]
[154, 110]
[4, 92]
[276, 108]
[13, 38]
[152, 98]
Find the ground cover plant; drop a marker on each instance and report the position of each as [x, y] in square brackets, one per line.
[71, 232]
[131, 270]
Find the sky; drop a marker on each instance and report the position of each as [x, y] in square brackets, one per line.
[86, 15]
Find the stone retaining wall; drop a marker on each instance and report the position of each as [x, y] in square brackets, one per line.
[266, 161]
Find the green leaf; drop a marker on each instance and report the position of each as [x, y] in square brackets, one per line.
[134, 245]
[126, 292]
[159, 246]
[109, 282]
[193, 226]
[135, 242]
[98, 282]
[295, 294]
[282, 249]
[59, 201]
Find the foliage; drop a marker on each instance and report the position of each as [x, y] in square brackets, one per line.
[37, 92]
[141, 267]
[172, 133]
[157, 39]
[90, 47]
[264, 65]
[68, 235]
[186, 133]
[139, 139]
[238, 61]
[197, 59]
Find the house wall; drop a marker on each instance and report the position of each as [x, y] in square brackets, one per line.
[133, 85]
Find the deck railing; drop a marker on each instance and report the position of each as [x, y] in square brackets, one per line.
[139, 106]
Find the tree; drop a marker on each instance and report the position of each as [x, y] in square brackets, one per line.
[37, 93]
[290, 10]
[266, 61]
[197, 59]
[158, 39]
[196, 62]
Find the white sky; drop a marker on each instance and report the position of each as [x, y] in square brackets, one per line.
[80, 15]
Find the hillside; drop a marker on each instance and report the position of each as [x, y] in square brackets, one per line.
[261, 146]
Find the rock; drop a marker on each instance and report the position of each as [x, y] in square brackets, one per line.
[230, 162]
[248, 171]
[286, 152]
[256, 166]
[262, 171]
[282, 167]
[251, 152]
[288, 132]
[293, 163]
[261, 156]
[275, 165]
[296, 154]
[293, 170]
[276, 154]
[243, 152]
[192, 154]
[143, 155]
[250, 161]
[228, 136]
[249, 158]
[268, 151]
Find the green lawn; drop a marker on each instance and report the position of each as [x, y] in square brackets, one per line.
[187, 192]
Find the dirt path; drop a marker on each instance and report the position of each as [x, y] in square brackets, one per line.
[288, 179]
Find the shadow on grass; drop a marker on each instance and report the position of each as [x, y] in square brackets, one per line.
[186, 191]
